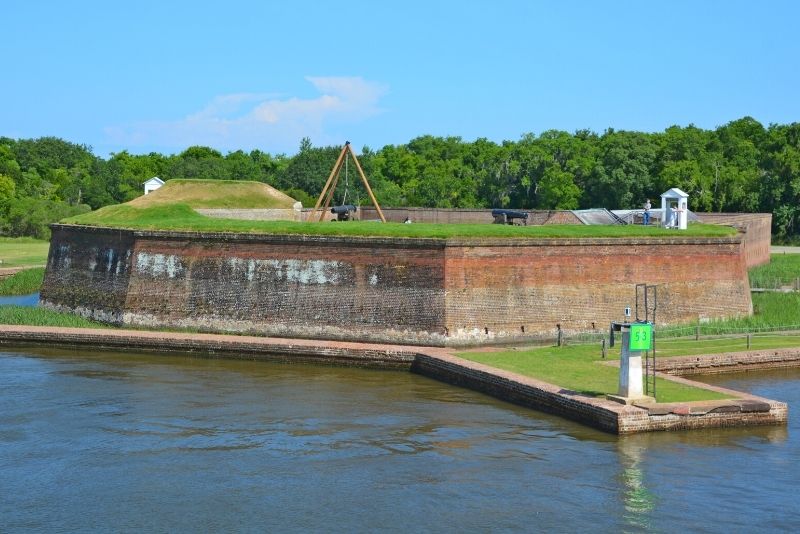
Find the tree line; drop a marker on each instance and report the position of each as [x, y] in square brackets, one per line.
[739, 167]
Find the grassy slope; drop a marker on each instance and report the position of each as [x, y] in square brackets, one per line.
[23, 251]
[182, 217]
[215, 194]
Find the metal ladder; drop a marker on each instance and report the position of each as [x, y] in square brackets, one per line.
[647, 304]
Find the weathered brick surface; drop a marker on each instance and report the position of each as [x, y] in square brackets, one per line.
[527, 287]
[419, 291]
[463, 216]
[757, 232]
[89, 271]
[298, 286]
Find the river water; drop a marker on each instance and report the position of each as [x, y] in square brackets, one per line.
[99, 442]
[20, 300]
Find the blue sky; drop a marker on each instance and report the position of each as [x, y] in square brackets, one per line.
[161, 76]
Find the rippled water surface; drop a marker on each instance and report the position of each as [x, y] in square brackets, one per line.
[124, 442]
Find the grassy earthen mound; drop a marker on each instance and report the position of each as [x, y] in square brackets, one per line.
[215, 194]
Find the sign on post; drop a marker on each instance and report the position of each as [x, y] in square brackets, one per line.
[641, 337]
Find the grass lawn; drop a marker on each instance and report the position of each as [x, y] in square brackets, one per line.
[23, 283]
[35, 316]
[576, 367]
[23, 251]
[182, 217]
[579, 368]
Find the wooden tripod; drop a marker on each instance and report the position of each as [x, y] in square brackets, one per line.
[333, 179]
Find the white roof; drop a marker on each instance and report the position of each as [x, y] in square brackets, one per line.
[154, 180]
[675, 193]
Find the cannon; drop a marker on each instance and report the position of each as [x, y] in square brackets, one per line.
[503, 216]
[343, 212]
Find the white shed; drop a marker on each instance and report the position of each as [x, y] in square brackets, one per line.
[674, 208]
[152, 184]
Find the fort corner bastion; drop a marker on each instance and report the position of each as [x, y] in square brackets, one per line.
[440, 292]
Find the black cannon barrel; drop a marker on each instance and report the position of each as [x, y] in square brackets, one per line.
[510, 214]
[344, 208]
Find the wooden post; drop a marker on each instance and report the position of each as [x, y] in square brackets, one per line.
[697, 333]
[366, 185]
[334, 172]
[749, 336]
[603, 349]
[329, 197]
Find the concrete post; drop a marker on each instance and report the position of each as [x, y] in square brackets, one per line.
[631, 385]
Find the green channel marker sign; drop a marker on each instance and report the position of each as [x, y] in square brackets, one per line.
[641, 337]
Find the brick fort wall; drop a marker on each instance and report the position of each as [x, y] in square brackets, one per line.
[413, 291]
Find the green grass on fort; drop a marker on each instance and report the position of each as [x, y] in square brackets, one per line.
[182, 217]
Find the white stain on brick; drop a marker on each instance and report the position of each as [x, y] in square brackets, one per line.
[93, 260]
[373, 279]
[121, 264]
[300, 271]
[159, 264]
[251, 270]
[109, 259]
[64, 258]
[306, 271]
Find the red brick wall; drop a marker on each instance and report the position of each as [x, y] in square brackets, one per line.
[757, 232]
[518, 289]
[291, 286]
[416, 291]
[88, 270]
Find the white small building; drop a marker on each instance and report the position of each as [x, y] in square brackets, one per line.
[675, 208]
[152, 184]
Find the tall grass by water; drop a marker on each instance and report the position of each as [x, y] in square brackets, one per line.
[782, 270]
[23, 282]
[35, 316]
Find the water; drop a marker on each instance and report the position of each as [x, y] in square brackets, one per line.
[98, 442]
[21, 300]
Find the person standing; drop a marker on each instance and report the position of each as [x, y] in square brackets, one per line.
[646, 215]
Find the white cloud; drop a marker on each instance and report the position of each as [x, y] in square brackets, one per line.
[249, 120]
